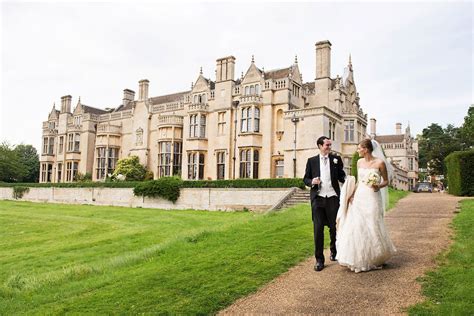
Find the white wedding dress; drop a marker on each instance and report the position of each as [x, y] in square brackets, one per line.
[362, 241]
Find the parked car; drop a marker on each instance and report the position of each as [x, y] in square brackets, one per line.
[424, 187]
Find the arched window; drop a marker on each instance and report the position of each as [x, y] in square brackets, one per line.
[247, 90]
[252, 90]
[195, 99]
[257, 89]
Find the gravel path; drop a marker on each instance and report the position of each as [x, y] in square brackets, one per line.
[419, 228]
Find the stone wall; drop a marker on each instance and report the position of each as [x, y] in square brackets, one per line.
[190, 198]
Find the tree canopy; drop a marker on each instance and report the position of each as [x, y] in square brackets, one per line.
[18, 164]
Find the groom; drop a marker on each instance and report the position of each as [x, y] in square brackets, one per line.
[323, 174]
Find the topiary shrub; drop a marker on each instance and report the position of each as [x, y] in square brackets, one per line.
[460, 172]
[246, 183]
[167, 188]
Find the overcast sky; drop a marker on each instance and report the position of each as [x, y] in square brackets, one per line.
[412, 62]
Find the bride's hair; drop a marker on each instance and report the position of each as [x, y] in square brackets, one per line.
[367, 143]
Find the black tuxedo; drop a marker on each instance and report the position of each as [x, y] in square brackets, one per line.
[324, 209]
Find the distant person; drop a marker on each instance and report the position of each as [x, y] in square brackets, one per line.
[323, 174]
[362, 242]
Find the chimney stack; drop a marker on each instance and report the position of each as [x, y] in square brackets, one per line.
[323, 59]
[225, 69]
[128, 96]
[143, 90]
[398, 128]
[66, 104]
[373, 130]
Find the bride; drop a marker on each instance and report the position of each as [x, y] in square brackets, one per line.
[362, 240]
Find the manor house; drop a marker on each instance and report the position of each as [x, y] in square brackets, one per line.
[402, 150]
[261, 125]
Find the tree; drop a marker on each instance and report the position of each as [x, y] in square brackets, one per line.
[30, 161]
[435, 144]
[11, 168]
[466, 131]
[131, 168]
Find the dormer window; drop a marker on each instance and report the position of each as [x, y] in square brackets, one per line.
[51, 125]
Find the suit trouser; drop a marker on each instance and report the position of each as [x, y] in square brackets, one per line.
[324, 211]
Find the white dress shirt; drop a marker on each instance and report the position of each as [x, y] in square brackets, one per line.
[326, 189]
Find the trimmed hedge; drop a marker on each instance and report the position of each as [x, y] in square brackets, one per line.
[238, 183]
[460, 172]
[88, 184]
[167, 188]
[246, 183]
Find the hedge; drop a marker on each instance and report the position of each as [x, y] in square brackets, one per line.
[167, 188]
[460, 172]
[238, 183]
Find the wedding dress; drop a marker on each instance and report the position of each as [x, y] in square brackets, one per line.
[362, 240]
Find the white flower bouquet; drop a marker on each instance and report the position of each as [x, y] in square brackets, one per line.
[372, 178]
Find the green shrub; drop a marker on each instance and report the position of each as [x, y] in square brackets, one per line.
[122, 184]
[19, 191]
[460, 172]
[355, 158]
[131, 168]
[167, 188]
[83, 177]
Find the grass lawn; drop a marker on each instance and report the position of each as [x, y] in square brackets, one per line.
[450, 288]
[394, 196]
[57, 258]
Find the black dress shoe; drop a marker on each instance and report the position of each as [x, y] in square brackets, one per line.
[318, 266]
[332, 257]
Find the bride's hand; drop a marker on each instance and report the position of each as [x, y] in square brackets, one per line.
[351, 199]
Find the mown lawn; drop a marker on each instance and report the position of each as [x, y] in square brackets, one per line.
[85, 259]
[450, 288]
[57, 259]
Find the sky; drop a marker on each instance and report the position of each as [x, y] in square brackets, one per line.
[413, 62]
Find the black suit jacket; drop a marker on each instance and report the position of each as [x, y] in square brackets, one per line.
[313, 171]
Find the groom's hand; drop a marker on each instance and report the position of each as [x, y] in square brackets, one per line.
[316, 181]
[376, 187]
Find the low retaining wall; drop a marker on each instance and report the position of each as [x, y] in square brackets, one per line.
[190, 198]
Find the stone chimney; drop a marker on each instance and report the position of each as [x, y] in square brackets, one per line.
[323, 59]
[128, 96]
[373, 127]
[66, 104]
[143, 90]
[225, 68]
[398, 128]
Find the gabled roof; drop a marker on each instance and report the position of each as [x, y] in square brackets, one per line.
[390, 138]
[92, 110]
[168, 98]
[277, 73]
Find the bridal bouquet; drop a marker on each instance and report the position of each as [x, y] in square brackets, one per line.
[372, 178]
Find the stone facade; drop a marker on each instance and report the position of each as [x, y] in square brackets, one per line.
[261, 125]
[402, 150]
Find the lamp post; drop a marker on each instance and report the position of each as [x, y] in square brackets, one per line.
[295, 120]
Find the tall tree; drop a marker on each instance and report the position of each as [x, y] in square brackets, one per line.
[30, 161]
